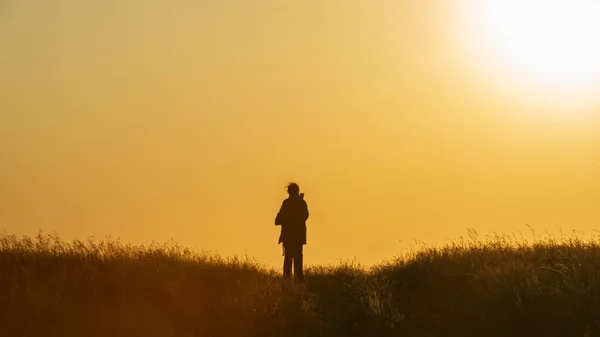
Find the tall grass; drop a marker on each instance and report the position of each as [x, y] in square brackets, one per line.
[497, 286]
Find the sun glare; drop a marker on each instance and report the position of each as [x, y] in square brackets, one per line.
[551, 46]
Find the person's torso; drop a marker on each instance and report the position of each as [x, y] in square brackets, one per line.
[295, 211]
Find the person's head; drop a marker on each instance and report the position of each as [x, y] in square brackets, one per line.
[293, 189]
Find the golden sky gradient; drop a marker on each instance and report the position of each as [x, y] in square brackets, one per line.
[150, 120]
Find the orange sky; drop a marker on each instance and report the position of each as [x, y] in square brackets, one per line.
[150, 120]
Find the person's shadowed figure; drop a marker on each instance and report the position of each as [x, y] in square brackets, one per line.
[292, 218]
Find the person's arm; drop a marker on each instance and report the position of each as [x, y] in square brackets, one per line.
[305, 211]
[280, 215]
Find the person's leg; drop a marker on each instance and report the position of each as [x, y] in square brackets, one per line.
[298, 259]
[287, 262]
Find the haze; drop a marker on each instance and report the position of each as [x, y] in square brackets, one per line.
[151, 120]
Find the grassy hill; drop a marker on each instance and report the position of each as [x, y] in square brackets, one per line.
[495, 287]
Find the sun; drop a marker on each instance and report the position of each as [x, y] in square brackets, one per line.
[544, 46]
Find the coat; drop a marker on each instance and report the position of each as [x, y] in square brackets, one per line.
[292, 218]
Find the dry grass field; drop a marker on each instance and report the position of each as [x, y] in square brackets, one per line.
[496, 286]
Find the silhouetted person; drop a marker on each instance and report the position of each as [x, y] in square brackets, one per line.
[292, 218]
